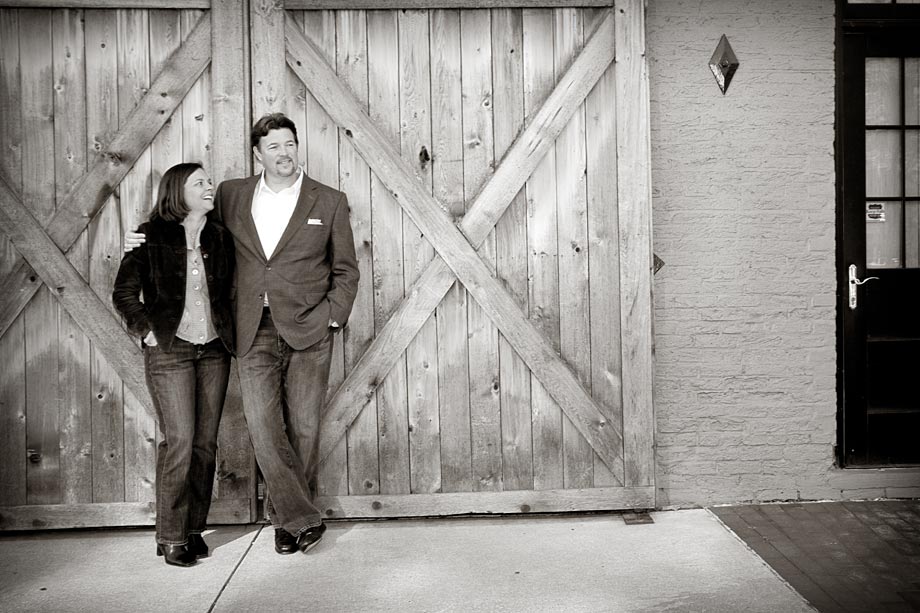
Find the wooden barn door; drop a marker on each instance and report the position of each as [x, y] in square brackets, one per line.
[498, 358]
[96, 104]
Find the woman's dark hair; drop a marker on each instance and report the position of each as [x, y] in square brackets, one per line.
[272, 121]
[171, 205]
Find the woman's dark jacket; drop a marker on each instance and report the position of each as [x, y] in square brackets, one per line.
[158, 268]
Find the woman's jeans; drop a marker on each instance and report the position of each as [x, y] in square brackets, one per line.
[188, 385]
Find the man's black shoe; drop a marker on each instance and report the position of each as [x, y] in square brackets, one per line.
[285, 542]
[310, 537]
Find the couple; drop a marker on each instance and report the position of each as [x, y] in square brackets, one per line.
[270, 262]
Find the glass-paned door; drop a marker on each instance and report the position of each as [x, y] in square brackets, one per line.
[880, 267]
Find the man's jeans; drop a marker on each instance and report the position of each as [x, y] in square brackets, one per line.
[188, 385]
[284, 391]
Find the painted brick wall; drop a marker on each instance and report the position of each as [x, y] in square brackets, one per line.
[743, 198]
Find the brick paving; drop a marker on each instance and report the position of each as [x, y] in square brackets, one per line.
[842, 556]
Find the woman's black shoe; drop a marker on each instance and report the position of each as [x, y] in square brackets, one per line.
[176, 555]
[197, 546]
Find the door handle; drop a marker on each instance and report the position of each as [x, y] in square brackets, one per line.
[854, 282]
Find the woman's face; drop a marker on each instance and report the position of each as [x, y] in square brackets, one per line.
[198, 192]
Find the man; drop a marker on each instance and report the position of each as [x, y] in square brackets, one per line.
[295, 283]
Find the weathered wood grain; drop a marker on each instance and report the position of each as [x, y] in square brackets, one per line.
[635, 228]
[11, 130]
[295, 97]
[458, 253]
[109, 4]
[462, 503]
[99, 515]
[72, 291]
[351, 63]
[572, 240]
[543, 289]
[230, 156]
[437, 279]
[102, 123]
[145, 40]
[75, 416]
[603, 251]
[13, 457]
[422, 352]
[222, 112]
[511, 248]
[435, 4]
[478, 164]
[42, 385]
[266, 40]
[195, 111]
[117, 156]
[392, 395]
[322, 163]
[447, 183]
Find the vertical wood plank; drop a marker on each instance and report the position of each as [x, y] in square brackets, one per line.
[10, 131]
[104, 238]
[511, 249]
[478, 165]
[295, 96]
[167, 147]
[269, 68]
[12, 343]
[572, 233]
[145, 40]
[74, 347]
[351, 64]
[194, 114]
[41, 316]
[13, 456]
[603, 251]
[322, 159]
[447, 182]
[422, 352]
[392, 402]
[635, 230]
[230, 156]
[542, 246]
[230, 120]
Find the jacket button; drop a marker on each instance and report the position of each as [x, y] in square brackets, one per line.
[268, 268]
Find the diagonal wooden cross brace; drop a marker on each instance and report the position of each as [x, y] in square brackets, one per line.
[81, 302]
[458, 257]
[87, 197]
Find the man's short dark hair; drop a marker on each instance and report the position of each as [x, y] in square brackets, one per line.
[171, 205]
[272, 121]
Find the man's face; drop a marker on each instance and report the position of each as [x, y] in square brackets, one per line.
[277, 152]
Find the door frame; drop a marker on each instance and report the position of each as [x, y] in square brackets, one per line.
[863, 30]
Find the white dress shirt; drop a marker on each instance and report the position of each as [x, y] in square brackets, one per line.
[271, 212]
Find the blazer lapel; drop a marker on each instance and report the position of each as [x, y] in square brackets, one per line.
[245, 216]
[305, 203]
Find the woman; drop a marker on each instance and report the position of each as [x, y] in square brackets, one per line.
[185, 272]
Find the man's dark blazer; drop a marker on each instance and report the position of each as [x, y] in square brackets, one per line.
[311, 278]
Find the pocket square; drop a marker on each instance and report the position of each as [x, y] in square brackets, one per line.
[314, 222]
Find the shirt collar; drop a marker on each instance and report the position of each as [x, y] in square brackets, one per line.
[197, 242]
[295, 187]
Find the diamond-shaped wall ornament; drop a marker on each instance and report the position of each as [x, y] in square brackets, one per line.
[723, 64]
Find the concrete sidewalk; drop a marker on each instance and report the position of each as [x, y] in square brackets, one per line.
[685, 561]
